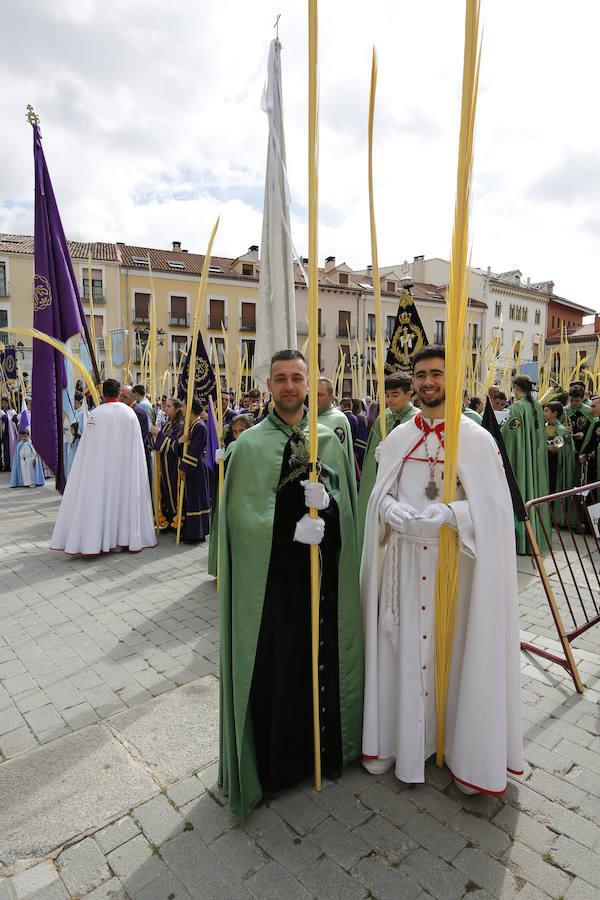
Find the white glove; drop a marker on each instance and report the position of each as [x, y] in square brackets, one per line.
[398, 515]
[438, 514]
[219, 454]
[315, 497]
[309, 531]
[378, 452]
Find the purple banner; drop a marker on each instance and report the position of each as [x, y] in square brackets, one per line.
[57, 311]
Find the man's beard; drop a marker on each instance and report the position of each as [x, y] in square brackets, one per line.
[433, 402]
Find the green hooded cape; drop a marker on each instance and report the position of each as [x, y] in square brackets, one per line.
[528, 453]
[369, 469]
[338, 422]
[565, 475]
[471, 414]
[582, 420]
[245, 532]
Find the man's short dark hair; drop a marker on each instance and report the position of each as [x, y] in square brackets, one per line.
[499, 395]
[555, 407]
[346, 403]
[243, 419]
[431, 351]
[78, 396]
[576, 390]
[398, 380]
[110, 388]
[328, 384]
[139, 389]
[286, 356]
[254, 394]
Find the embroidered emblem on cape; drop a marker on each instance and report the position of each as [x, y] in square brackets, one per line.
[514, 424]
[340, 433]
[582, 422]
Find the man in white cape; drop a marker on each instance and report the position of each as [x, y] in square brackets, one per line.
[483, 736]
[107, 503]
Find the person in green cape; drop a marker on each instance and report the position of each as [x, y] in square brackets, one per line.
[561, 461]
[591, 456]
[524, 436]
[334, 418]
[399, 409]
[579, 419]
[266, 716]
[239, 423]
[467, 411]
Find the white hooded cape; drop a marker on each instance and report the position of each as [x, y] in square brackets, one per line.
[107, 503]
[483, 736]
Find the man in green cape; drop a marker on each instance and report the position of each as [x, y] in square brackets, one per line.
[524, 437]
[399, 409]
[334, 418]
[591, 455]
[266, 717]
[579, 419]
[561, 462]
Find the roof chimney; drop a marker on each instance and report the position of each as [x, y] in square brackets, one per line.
[305, 260]
[253, 251]
[369, 269]
[329, 263]
[176, 245]
[418, 269]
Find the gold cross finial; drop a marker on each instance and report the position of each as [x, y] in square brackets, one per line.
[32, 118]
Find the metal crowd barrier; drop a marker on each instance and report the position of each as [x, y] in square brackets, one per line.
[573, 588]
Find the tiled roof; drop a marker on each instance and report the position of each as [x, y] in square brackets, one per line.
[193, 262]
[583, 333]
[23, 243]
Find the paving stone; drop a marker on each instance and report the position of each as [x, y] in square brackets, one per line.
[260, 821]
[10, 719]
[342, 845]
[578, 860]
[167, 886]
[434, 836]
[525, 829]
[207, 817]
[436, 876]
[55, 891]
[429, 800]
[118, 833]
[4, 892]
[135, 865]
[570, 824]
[480, 832]
[197, 865]
[42, 719]
[326, 880]
[83, 867]
[528, 865]
[34, 879]
[386, 882]
[289, 849]
[158, 820]
[581, 890]
[239, 853]
[481, 869]
[185, 791]
[17, 742]
[341, 804]
[381, 835]
[298, 810]
[273, 882]
[396, 808]
[556, 788]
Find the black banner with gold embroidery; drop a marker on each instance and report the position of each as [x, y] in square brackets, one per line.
[204, 381]
[407, 338]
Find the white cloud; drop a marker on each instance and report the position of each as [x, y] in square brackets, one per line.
[152, 126]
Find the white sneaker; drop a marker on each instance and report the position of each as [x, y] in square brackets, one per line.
[378, 766]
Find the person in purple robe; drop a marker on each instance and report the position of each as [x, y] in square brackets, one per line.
[362, 433]
[165, 441]
[8, 429]
[192, 465]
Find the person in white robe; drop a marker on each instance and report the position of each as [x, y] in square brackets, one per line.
[26, 469]
[106, 504]
[483, 732]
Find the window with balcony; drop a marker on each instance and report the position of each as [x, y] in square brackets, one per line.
[248, 317]
[475, 333]
[389, 327]
[178, 349]
[537, 317]
[98, 326]
[178, 314]
[498, 333]
[219, 344]
[141, 302]
[4, 292]
[344, 327]
[97, 287]
[3, 319]
[371, 327]
[345, 352]
[439, 332]
[216, 316]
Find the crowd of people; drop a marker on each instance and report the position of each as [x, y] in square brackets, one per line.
[379, 514]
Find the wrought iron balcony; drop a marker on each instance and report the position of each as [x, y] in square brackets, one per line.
[181, 321]
[247, 323]
[214, 322]
[343, 332]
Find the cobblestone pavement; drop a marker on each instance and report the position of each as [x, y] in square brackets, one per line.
[108, 743]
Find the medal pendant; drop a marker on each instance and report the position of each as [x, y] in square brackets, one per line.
[432, 490]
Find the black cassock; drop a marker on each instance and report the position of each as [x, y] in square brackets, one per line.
[196, 495]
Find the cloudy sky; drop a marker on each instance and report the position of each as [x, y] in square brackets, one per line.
[152, 126]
